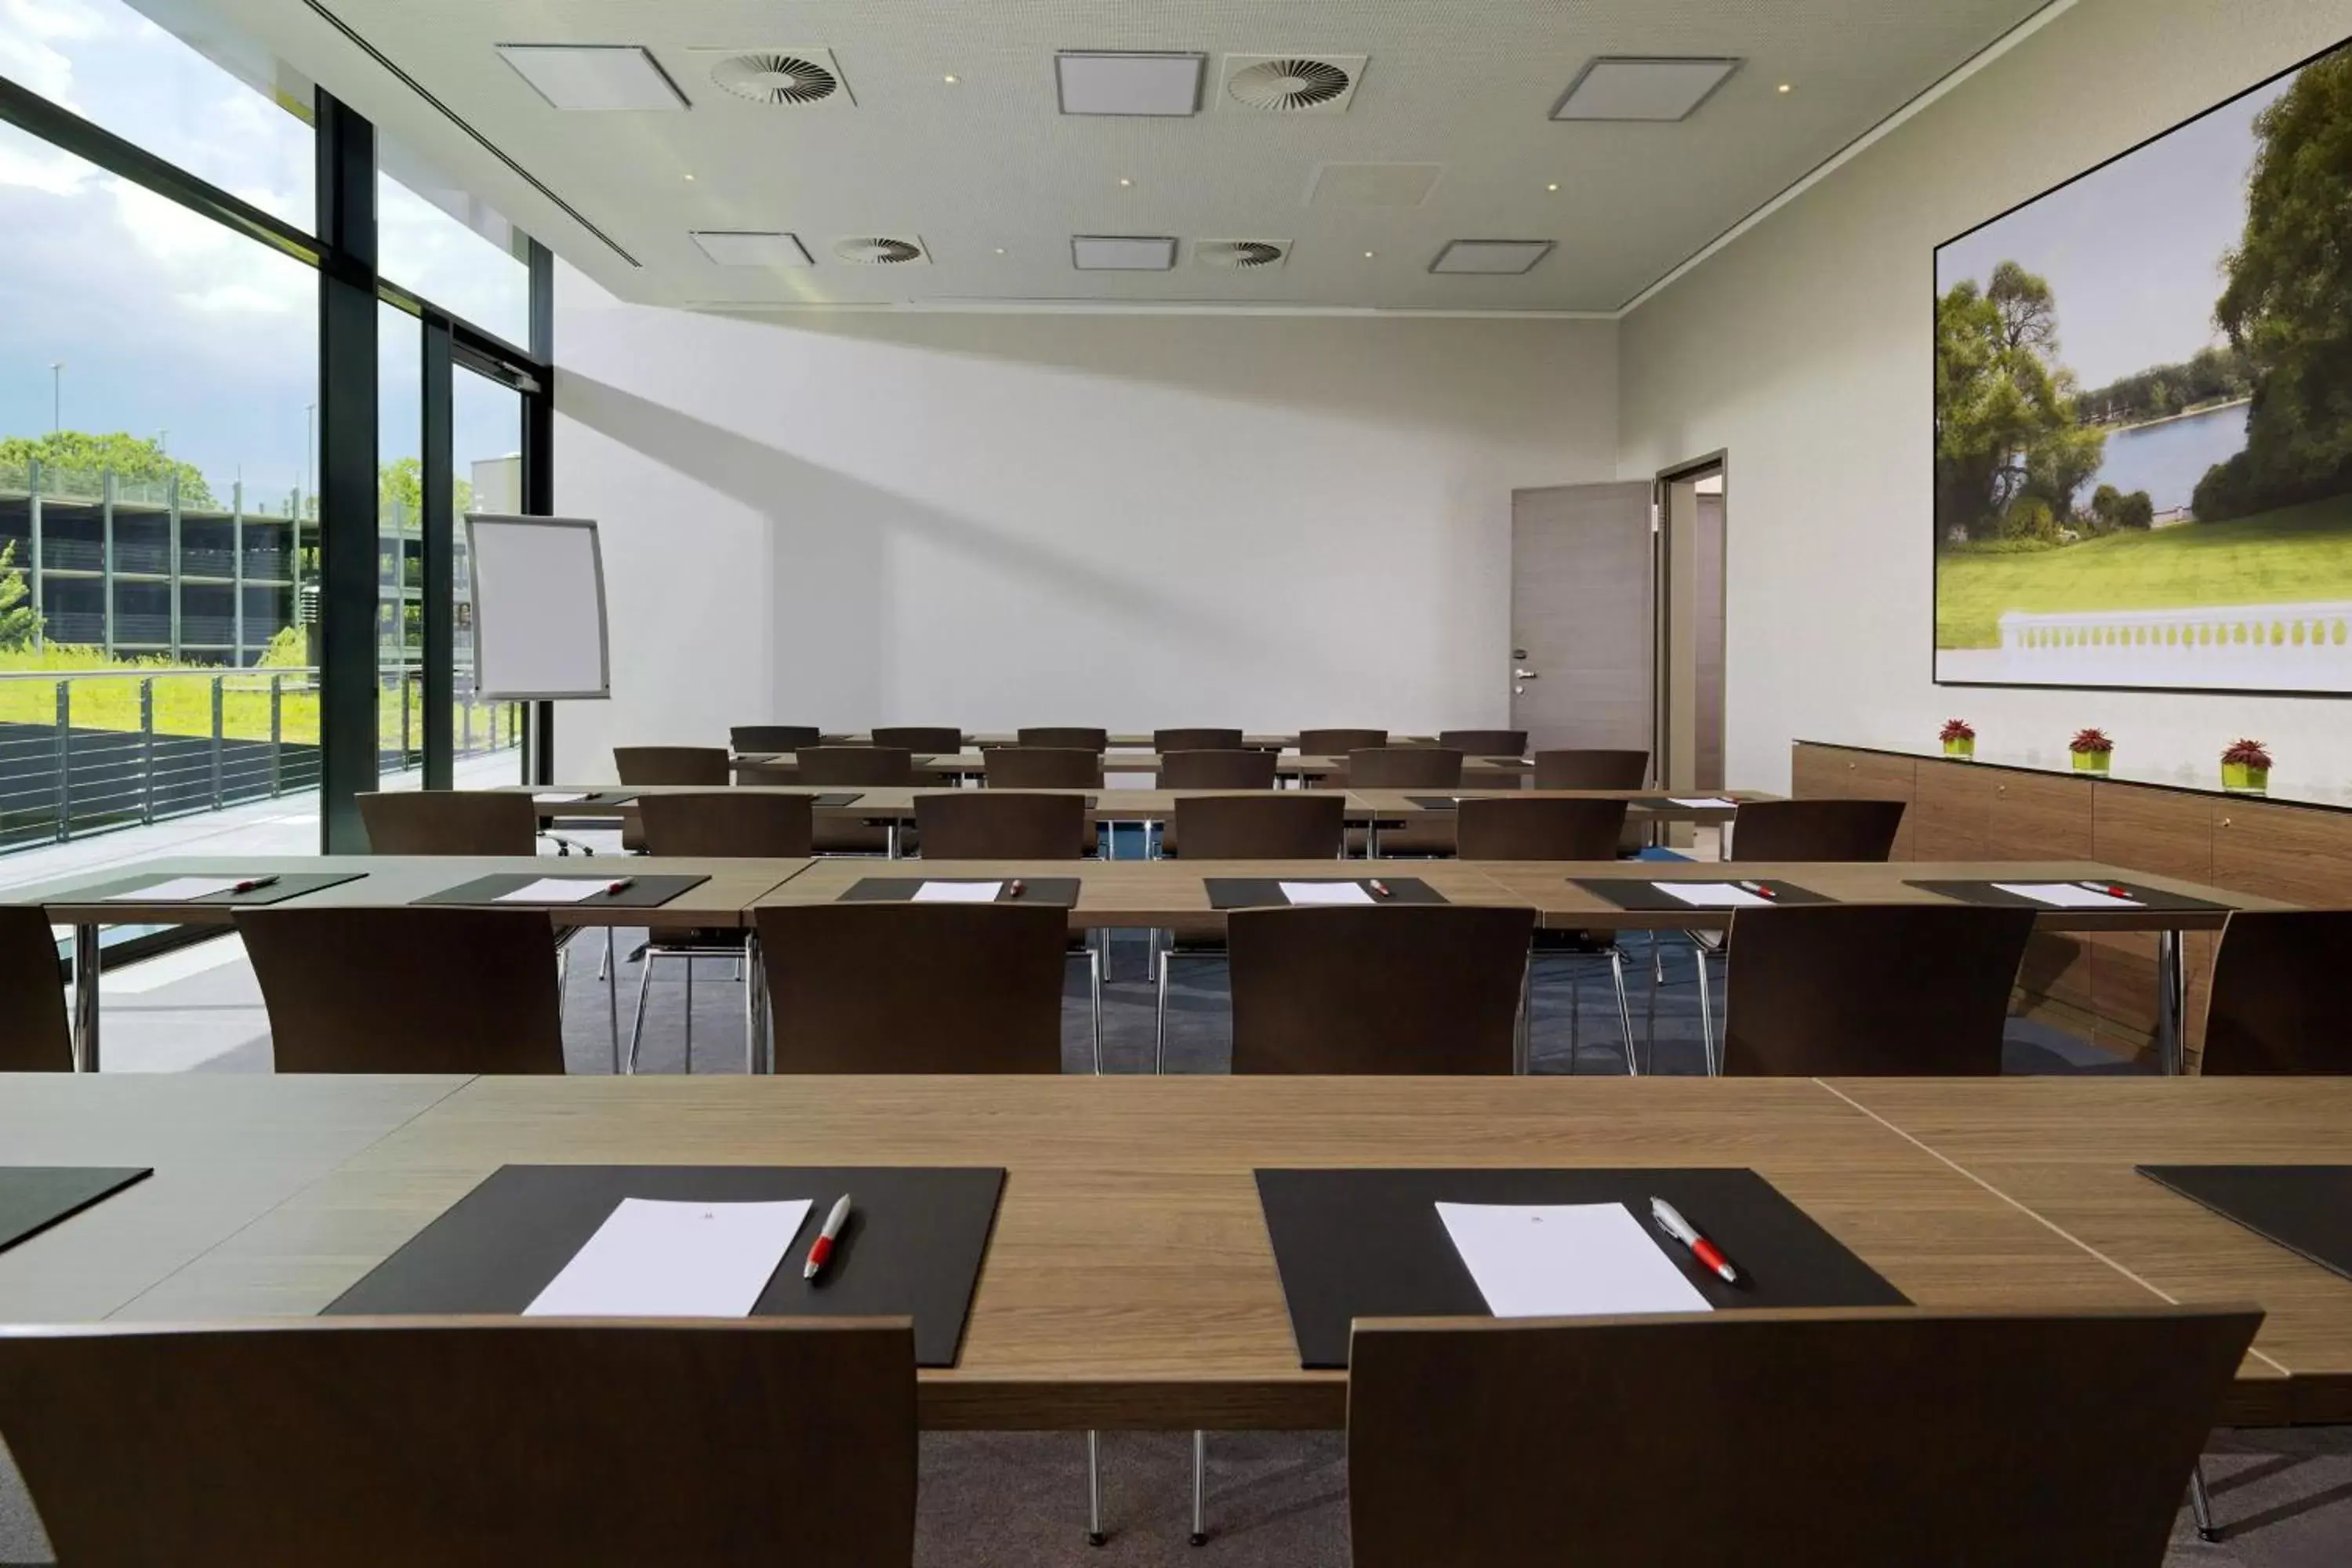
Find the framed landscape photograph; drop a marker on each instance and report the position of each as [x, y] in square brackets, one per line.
[2143, 455]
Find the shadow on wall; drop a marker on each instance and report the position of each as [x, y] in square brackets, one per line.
[755, 475]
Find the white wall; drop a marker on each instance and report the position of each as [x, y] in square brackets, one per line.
[846, 519]
[1803, 349]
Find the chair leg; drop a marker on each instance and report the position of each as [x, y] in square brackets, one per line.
[2200, 1505]
[1526, 1042]
[1094, 986]
[1160, 1020]
[1200, 1489]
[689, 1013]
[1624, 1007]
[1705, 1006]
[637, 1025]
[1575, 1019]
[1093, 1489]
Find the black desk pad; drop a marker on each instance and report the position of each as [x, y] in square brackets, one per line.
[289, 884]
[1436, 802]
[1642, 893]
[836, 797]
[1979, 890]
[35, 1197]
[913, 1245]
[1369, 1244]
[644, 892]
[2306, 1209]
[1060, 892]
[1265, 892]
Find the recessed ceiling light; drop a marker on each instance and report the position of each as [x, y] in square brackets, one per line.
[1119, 253]
[743, 248]
[949, 79]
[1553, 186]
[1156, 84]
[1491, 256]
[689, 176]
[1641, 88]
[1124, 182]
[593, 75]
[1000, 250]
[1368, 256]
[1786, 87]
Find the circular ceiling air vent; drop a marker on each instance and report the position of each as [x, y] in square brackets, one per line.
[1288, 84]
[775, 78]
[1239, 252]
[878, 252]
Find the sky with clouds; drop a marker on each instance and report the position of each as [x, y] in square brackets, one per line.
[166, 322]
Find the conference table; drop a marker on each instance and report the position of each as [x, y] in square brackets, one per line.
[1130, 1282]
[1490, 772]
[1127, 740]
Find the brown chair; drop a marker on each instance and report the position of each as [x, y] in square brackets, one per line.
[1001, 825]
[1044, 767]
[923, 740]
[1167, 740]
[697, 765]
[1458, 1451]
[2276, 1004]
[1063, 738]
[468, 1442]
[449, 822]
[1815, 830]
[1485, 743]
[916, 988]
[1404, 767]
[411, 990]
[1591, 770]
[1413, 988]
[34, 1035]
[1854, 990]
[1235, 769]
[1339, 742]
[724, 824]
[774, 737]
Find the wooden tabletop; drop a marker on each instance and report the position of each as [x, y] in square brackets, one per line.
[1119, 804]
[1287, 765]
[729, 888]
[1129, 740]
[1128, 1282]
[1658, 805]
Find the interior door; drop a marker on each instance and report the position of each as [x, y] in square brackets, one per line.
[1583, 631]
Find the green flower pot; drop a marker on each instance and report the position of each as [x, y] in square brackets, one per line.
[1967, 748]
[2093, 761]
[2245, 778]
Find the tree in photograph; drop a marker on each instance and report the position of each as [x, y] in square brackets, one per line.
[19, 622]
[2284, 306]
[400, 491]
[2006, 429]
[132, 457]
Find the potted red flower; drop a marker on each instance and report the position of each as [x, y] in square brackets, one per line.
[2092, 750]
[2246, 766]
[1959, 740]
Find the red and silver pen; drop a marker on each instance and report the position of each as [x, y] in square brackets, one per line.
[1760, 889]
[618, 885]
[822, 1248]
[254, 884]
[1671, 1221]
[2110, 888]
[1380, 888]
[1012, 889]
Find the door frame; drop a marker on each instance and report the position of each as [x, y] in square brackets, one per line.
[1662, 728]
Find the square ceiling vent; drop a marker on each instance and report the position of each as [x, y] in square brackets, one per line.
[1291, 84]
[1121, 252]
[593, 75]
[1493, 257]
[747, 247]
[1611, 89]
[1162, 85]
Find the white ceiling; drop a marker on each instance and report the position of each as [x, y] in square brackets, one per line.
[994, 181]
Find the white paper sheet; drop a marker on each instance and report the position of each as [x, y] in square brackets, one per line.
[558, 890]
[657, 1259]
[177, 890]
[560, 798]
[1324, 892]
[1713, 895]
[2068, 896]
[1566, 1260]
[1704, 802]
[958, 892]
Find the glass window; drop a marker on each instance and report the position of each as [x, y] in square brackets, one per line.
[186, 89]
[445, 246]
[400, 539]
[486, 430]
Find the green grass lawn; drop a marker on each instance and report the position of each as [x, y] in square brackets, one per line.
[2296, 553]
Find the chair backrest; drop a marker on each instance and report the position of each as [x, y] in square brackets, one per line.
[774, 737]
[1339, 742]
[1585, 769]
[671, 765]
[746, 822]
[916, 988]
[1001, 825]
[2274, 1006]
[1485, 743]
[1410, 988]
[34, 1036]
[923, 740]
[1816, 830]
[1166, 741]
[409, 990]
[1044, 767]
[1286, 824]
[1501, 829]
[1404, 767]
[449, 822]
[1063, 738]
[1216, 770]
[1895, 990]
[874, 767]
[469, 1441]
[1724, 1428]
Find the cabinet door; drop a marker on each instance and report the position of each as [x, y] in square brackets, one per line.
[2136, 829]
[1951, 805]
[2030, 816]
[2298, 855]
[1833, 773]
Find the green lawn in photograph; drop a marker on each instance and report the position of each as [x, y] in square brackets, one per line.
[2292, 555]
